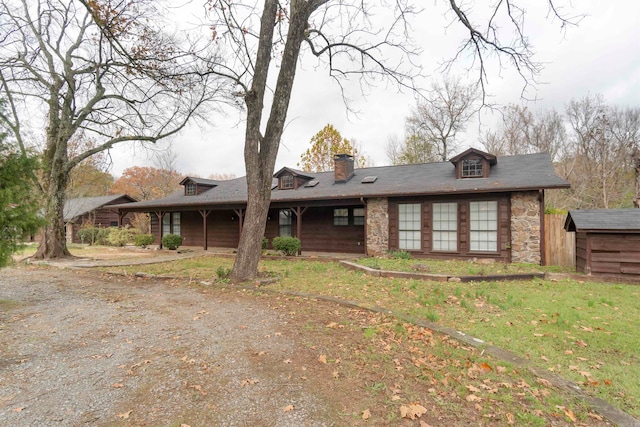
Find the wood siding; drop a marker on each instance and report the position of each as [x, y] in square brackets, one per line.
[464, 251]
[102, 218]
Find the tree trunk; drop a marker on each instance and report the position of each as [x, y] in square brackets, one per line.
[260, 152]
[54, 244]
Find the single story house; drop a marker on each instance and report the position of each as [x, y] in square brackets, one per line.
[476, 205]
[95, 211]
[607, 240]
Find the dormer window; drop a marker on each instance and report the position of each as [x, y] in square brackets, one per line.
[473, 164]
[190, 189]
[286, 182]
[472, 168]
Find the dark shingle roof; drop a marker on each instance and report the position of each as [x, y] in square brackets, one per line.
[603, 220]
[74, 208]
[513, 173]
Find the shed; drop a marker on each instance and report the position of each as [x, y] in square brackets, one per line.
[607, 240]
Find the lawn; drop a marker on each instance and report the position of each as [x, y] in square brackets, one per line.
[586, 332]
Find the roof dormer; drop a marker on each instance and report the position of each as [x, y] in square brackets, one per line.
[195, 186]
[473, 163]
[290, 179]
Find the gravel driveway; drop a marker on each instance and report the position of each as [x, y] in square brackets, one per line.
[80, 348]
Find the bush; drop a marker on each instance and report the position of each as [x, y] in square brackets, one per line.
[119, 236]
[287, 245]
[223, 272]
[88, 235]
[103, 236]
[143, 240]
[400, 254]
[171, 241]
[265, 243]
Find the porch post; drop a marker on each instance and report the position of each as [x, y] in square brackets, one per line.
[205, 213]
[160, 215]
[299, 211]
[240, 214]
[120, 216]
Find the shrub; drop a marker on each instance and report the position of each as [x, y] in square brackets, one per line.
[223, 272]
[400, 254]
[171, 241]
[102, 237]
[143, 240]
[287, 245]
[88, 235]
[265, 243]
[119, 236]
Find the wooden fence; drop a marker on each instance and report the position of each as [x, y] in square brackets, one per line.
[560, 245]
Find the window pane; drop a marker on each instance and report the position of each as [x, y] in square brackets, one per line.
[341, 216]
[175, 223]
[358, 216]
[483, 223]
[409, 226]
[445, 227]
[284, 222]
[166, 224]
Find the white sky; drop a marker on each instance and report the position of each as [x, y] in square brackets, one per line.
[601, 55]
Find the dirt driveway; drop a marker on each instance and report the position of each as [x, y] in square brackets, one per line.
[80, 348]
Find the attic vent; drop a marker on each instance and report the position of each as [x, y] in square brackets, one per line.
[369, 179]
[311, 183]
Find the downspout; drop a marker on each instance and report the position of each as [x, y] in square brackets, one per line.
[366, 225]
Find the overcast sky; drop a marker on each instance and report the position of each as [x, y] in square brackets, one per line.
[600, 56]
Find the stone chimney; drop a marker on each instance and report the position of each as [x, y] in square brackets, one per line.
[343, 167]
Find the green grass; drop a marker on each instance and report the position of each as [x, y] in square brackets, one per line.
[586, 332]
[455, 267]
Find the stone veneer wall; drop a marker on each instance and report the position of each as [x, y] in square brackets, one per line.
[377, 226]
[525, 227]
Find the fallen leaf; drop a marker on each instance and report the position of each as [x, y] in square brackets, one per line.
[413, 411]
[117, 385]
[581, 343]
[569, 413]
[288, 408]
[485, 366]
[510, 418]
[125, 415]
[322, 358]
[473, 389]
[472, 398]
[333, 325]
[249, 381]
[366, 414]
[423, 424]
[19, 409]
[395, 397]
[594, 416]
[336, 374]
[544, 382]
[287, 361]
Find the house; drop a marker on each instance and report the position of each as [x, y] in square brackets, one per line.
[475, 205]
[95, 211]
[607, 240]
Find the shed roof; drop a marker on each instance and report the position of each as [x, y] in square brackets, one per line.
[603, 220]
[74, 208]
[512, 173]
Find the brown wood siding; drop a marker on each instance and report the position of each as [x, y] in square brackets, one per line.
[612, 253]
[102, 218]
[319, 233]
[222, 230]
[581, 252]
[463, 252]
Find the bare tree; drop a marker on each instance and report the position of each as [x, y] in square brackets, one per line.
[437, 120]
[352, 42]
[101, 67]
[523, 132]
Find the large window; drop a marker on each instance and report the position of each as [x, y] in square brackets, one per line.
[171, 223]
[341, 216]
[483, 226]
[284, 222]
[409, 230]
[472, 168]
[445, 227]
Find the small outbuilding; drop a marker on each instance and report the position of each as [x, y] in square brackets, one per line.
[607, 240]
[94, 211]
